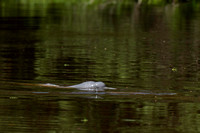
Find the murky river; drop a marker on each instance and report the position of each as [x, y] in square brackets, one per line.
[150, 52]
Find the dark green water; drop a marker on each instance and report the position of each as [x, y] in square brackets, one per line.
[147, 51]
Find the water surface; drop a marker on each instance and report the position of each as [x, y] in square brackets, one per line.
[149, 52]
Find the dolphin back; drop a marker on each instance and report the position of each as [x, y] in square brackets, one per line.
[91, 86]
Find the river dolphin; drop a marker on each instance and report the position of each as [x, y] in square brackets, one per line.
[85, 86]
[91, 86]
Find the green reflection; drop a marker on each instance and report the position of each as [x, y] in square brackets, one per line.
[133, 45]
[64, 114]
[127, 42]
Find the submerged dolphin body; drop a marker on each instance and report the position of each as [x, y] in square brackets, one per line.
[91, 86]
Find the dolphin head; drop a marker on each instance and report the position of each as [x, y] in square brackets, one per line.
[99, 84]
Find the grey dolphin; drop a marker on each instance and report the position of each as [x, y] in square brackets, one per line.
[91, 86]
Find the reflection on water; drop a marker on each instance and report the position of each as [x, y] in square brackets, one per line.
[147, 50]
[64, 113]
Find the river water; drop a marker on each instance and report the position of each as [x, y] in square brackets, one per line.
[150, 52]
